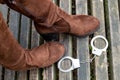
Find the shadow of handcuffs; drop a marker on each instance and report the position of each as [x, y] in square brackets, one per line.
[75, 63]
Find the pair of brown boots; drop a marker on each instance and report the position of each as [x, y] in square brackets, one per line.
[48, 19]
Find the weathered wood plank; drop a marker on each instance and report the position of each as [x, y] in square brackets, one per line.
[67, 41]
[49, 73]
[21, 75]
[24, 31]
[101, 65]
[114, 23]
[81, 7]
[24, 41]
[4, 10]
[83, 45]
[34, 74]
[14, 23]
[35, 38]
[9, 75]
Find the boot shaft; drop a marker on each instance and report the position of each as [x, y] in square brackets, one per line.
[32, 9]
[40, 11]
[13, 56]
[8, 46]
[49, 18]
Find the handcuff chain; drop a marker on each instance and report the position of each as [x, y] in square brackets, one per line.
[89, 61]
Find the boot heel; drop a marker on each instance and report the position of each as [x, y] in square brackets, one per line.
[50, 37]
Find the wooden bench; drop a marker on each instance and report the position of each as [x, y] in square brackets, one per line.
[105, 67]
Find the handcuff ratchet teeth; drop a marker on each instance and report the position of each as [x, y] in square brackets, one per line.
[75, 63]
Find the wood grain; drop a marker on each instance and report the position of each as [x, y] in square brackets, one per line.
[67, 41]
[83, 45]
[24, 41]
[35, 39]
[114, 23]
[101, 65]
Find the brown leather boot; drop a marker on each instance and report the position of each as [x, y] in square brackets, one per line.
[49, 18]
[14, 57]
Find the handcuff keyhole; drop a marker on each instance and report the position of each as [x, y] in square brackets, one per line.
[66, 64]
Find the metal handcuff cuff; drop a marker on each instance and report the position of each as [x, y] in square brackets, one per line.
[75, 63]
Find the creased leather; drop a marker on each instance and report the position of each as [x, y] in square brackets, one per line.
[49, 18]
[14, 57]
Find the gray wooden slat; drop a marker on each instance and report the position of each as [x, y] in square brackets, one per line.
[34, 73]
[22, 75]
[67, 41]
[35, 37]
[24, 31]
[49, 73]
[13, 25]
[9, 75]
[24, 41]
[81, 7]
[4, 10]
[83, 45]
[101, 65]
[114, 23]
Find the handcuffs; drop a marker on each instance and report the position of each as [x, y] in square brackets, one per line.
[75, 63]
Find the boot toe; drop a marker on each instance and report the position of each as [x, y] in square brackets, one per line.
[92, 25]
[95, 22]
[56, 51]
[86, 25]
